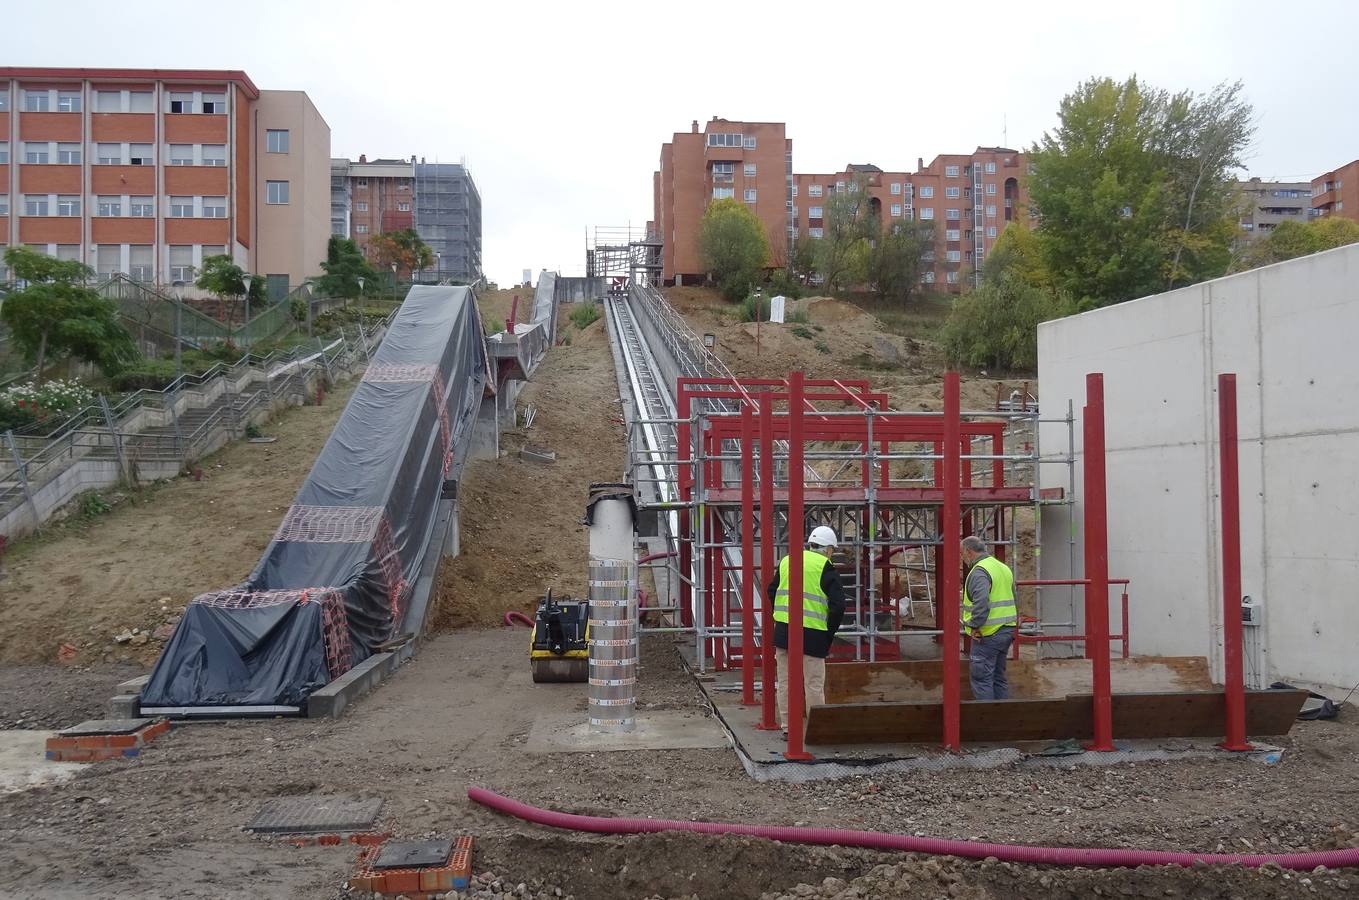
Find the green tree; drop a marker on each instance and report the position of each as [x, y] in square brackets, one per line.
[1132, 187]
[844, 251]
[221, 277]
[57, 313]
[733, 247]
[803, 261]
[1017, 251]
[996, 325]
[898, 258]
[403, 248]
[1290, 240]
[344, 266]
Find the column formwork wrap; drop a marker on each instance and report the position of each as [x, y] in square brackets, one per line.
[613, 645]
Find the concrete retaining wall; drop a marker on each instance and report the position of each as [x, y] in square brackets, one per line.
[1286, 331]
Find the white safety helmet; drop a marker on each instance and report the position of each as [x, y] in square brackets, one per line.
[822, 536]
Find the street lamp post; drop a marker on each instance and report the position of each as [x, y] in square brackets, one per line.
[438, 267]
[306, 291]
[245, 329]
[179, 327]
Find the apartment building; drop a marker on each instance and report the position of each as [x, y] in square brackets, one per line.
[1336, 193]
[970, 196]
[439, 200]
[747, 161]
[1267, 203]
[147, 172]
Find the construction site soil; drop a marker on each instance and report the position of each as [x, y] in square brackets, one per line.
[168, 824]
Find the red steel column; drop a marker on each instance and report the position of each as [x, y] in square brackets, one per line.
[1097, 556]
[1232, 657]
[747, 556]
[768, 671]
[797, 695]
[950, 517]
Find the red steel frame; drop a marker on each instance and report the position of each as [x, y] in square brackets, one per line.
[1232, 657]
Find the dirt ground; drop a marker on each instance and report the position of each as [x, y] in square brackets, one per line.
[495, 306]
[83, 583]
[521, 520]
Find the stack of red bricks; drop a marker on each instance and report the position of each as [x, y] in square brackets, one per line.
[101, 739]
[422, 883]
[363, 839]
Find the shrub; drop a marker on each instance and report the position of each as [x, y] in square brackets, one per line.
[804, 332]
[798, 317]
[495, 326]
[297, 308]
[785, 283]
[585, 315]
[151, 374]
[997, 324]
[50, 396]
[822, 346]
[752, 308]
[94, 504]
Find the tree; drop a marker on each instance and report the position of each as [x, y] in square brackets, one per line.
[898, 258]
[56, 312]
[403, 248]
[1132, 188]
[1290, 240]
[733, 247]
[844, 251]
[803, 261]
[1017, 251]
[344, 266]
[996, 325]
[221, 277]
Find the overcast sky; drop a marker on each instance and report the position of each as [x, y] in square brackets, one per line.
[560, 109]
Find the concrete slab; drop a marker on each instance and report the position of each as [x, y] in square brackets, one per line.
[106, 726]
[660, 730]
[23, 764]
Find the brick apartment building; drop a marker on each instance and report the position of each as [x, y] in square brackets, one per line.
[1336, 193]
[147, 172]
[970, 197]
[1267, 203]
[439, 200]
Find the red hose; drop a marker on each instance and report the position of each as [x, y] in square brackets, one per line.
[514, 616]
[877, 840]
[653, 557]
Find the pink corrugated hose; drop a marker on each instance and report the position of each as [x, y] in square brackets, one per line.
[514, 617]
[876, 840]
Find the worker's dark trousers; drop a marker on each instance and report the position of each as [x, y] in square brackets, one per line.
[988, 665]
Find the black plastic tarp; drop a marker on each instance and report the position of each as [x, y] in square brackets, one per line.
[336, 579]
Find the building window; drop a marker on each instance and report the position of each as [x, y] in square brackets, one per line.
[4, 101]
[181, 207]
[181, 154]
[108, 154]
[36, 153]
[724, 172]
[143, 207]
[68, 101]
[814, 212]
[927, 212]
[108, 101]
[4, 151]
[361, 183]
[814, 232]
[953, 255]
[214, 207]
[68, 154]
[951, 193]
[928, 278]
[108, 206]
[794, 190]
[749, 143]
[140, 155]
[37, 101]
[214, 154]
[990, 231]
[360, 229]
[951, 277]
[214, 104]
[108, 259]
[403, 207]
[951, 234]
[4, 204]
[953, 214]
[181, 102]
[991, 188]
[276, 193]
[896, 187]
[990, 212]
[926, 192]
[813, 190]
[839, 187]
[362, 206]
[181, 263]
[276, 140]
[750, 170]
[731, 140]
[139, 263]
[990, 168]
[336, 227]
[211, 250]
[68, 205]
[896, 210]
[951, 171]
[750, 195]
[723, 193]
[141, 102]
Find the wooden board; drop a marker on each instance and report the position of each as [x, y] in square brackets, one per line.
[1184, 714]
[1030, 679]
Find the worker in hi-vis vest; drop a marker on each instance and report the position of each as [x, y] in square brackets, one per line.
[823, 608]
[990, 617]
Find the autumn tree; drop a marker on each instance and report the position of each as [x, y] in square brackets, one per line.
[733, 247]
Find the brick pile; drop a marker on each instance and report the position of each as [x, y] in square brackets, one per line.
[423, 883]
[74, 745]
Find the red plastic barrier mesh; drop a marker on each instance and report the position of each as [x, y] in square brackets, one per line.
[335, 632]
[252, 599]
[391, 374]
[385, 547]
[441, 407]
[329, 524]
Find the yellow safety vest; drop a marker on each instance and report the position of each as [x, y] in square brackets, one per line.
[1002, 610]
[815, 609]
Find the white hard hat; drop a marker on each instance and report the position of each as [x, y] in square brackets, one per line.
[822, 536]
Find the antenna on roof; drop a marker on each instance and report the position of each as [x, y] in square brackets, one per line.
[1005, 130]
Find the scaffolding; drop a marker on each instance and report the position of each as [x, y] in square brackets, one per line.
[623, 252]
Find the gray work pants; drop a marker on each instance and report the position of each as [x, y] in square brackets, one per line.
[988, 665]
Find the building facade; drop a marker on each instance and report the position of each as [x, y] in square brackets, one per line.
[147, 172]
[1336, 193]
[970, 197]
[1267, 203]
[439, 200]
